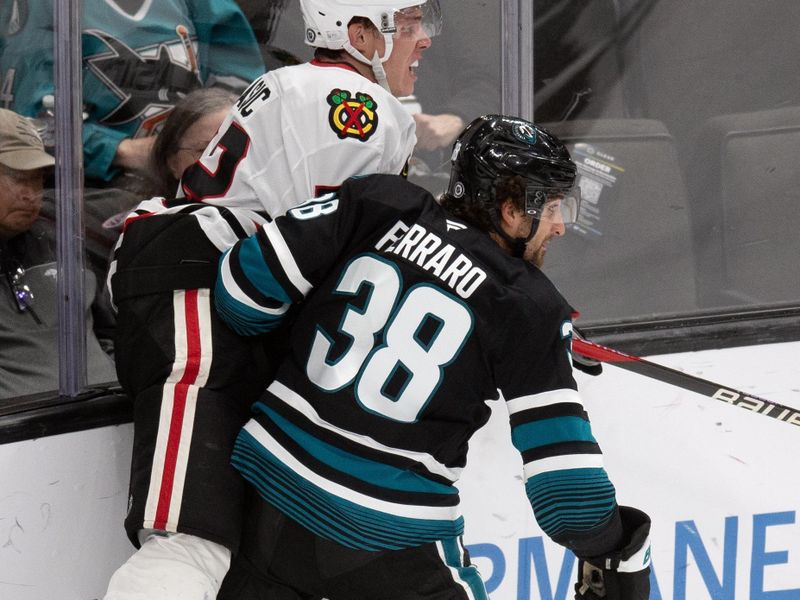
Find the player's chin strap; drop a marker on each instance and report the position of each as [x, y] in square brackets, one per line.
[516, 244]
[377, 62]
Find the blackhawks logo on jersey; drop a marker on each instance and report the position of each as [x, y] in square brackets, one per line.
[352, 116]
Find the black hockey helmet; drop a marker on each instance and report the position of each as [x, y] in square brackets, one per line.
[493, 147]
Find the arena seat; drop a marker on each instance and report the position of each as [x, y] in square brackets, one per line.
[629, 254]
[744, 185]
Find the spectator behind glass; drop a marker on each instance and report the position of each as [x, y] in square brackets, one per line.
[139, 59]
[28, 273]
[186, 133]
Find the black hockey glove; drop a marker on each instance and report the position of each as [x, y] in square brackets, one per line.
[623, 574]
[584, 363]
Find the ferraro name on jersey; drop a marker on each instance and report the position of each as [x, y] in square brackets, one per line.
[411, 320]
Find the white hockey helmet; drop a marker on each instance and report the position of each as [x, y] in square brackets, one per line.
[326, 23]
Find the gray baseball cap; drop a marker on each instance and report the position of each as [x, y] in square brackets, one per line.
[21, 148]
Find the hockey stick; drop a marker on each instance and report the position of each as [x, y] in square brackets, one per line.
[713, 390]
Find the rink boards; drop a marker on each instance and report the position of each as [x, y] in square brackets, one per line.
[721, 484]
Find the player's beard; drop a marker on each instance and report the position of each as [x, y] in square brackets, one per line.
[538, 256]
[536, 250]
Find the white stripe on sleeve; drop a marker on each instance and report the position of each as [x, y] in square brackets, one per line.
[230, 285]
[287, 260]
[544, 399]
[563, 462]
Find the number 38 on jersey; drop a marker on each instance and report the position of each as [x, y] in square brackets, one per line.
[396, 348]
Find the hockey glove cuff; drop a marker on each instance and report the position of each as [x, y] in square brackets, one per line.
[623, 574]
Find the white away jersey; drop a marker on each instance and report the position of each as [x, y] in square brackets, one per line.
[298, 132]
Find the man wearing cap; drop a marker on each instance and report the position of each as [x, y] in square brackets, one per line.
[28, 273]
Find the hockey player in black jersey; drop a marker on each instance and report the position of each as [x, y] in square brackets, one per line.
[410, 314]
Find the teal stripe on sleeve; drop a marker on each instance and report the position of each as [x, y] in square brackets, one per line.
[258, 273]
[551, 431]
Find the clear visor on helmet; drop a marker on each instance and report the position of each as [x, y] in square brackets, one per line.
[419, 22]
[555, 205]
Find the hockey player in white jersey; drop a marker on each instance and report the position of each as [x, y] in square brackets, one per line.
[295, 133]
[299, 131]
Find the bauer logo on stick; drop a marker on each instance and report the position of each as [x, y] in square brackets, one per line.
[759, 405]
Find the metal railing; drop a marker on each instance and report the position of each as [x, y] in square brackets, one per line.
[69, 197]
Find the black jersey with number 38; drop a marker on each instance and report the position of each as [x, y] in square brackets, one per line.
[409, 321]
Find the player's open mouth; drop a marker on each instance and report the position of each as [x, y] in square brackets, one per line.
[412, 70]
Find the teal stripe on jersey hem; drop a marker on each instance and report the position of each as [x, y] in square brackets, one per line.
[468, 574]
[551, 431]
[288, 503]
[364, 469]
[329, 515]
[326, 518]
[320, 519]
[247, 443]
[257, 271]
[257, 470]
[258, 457]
